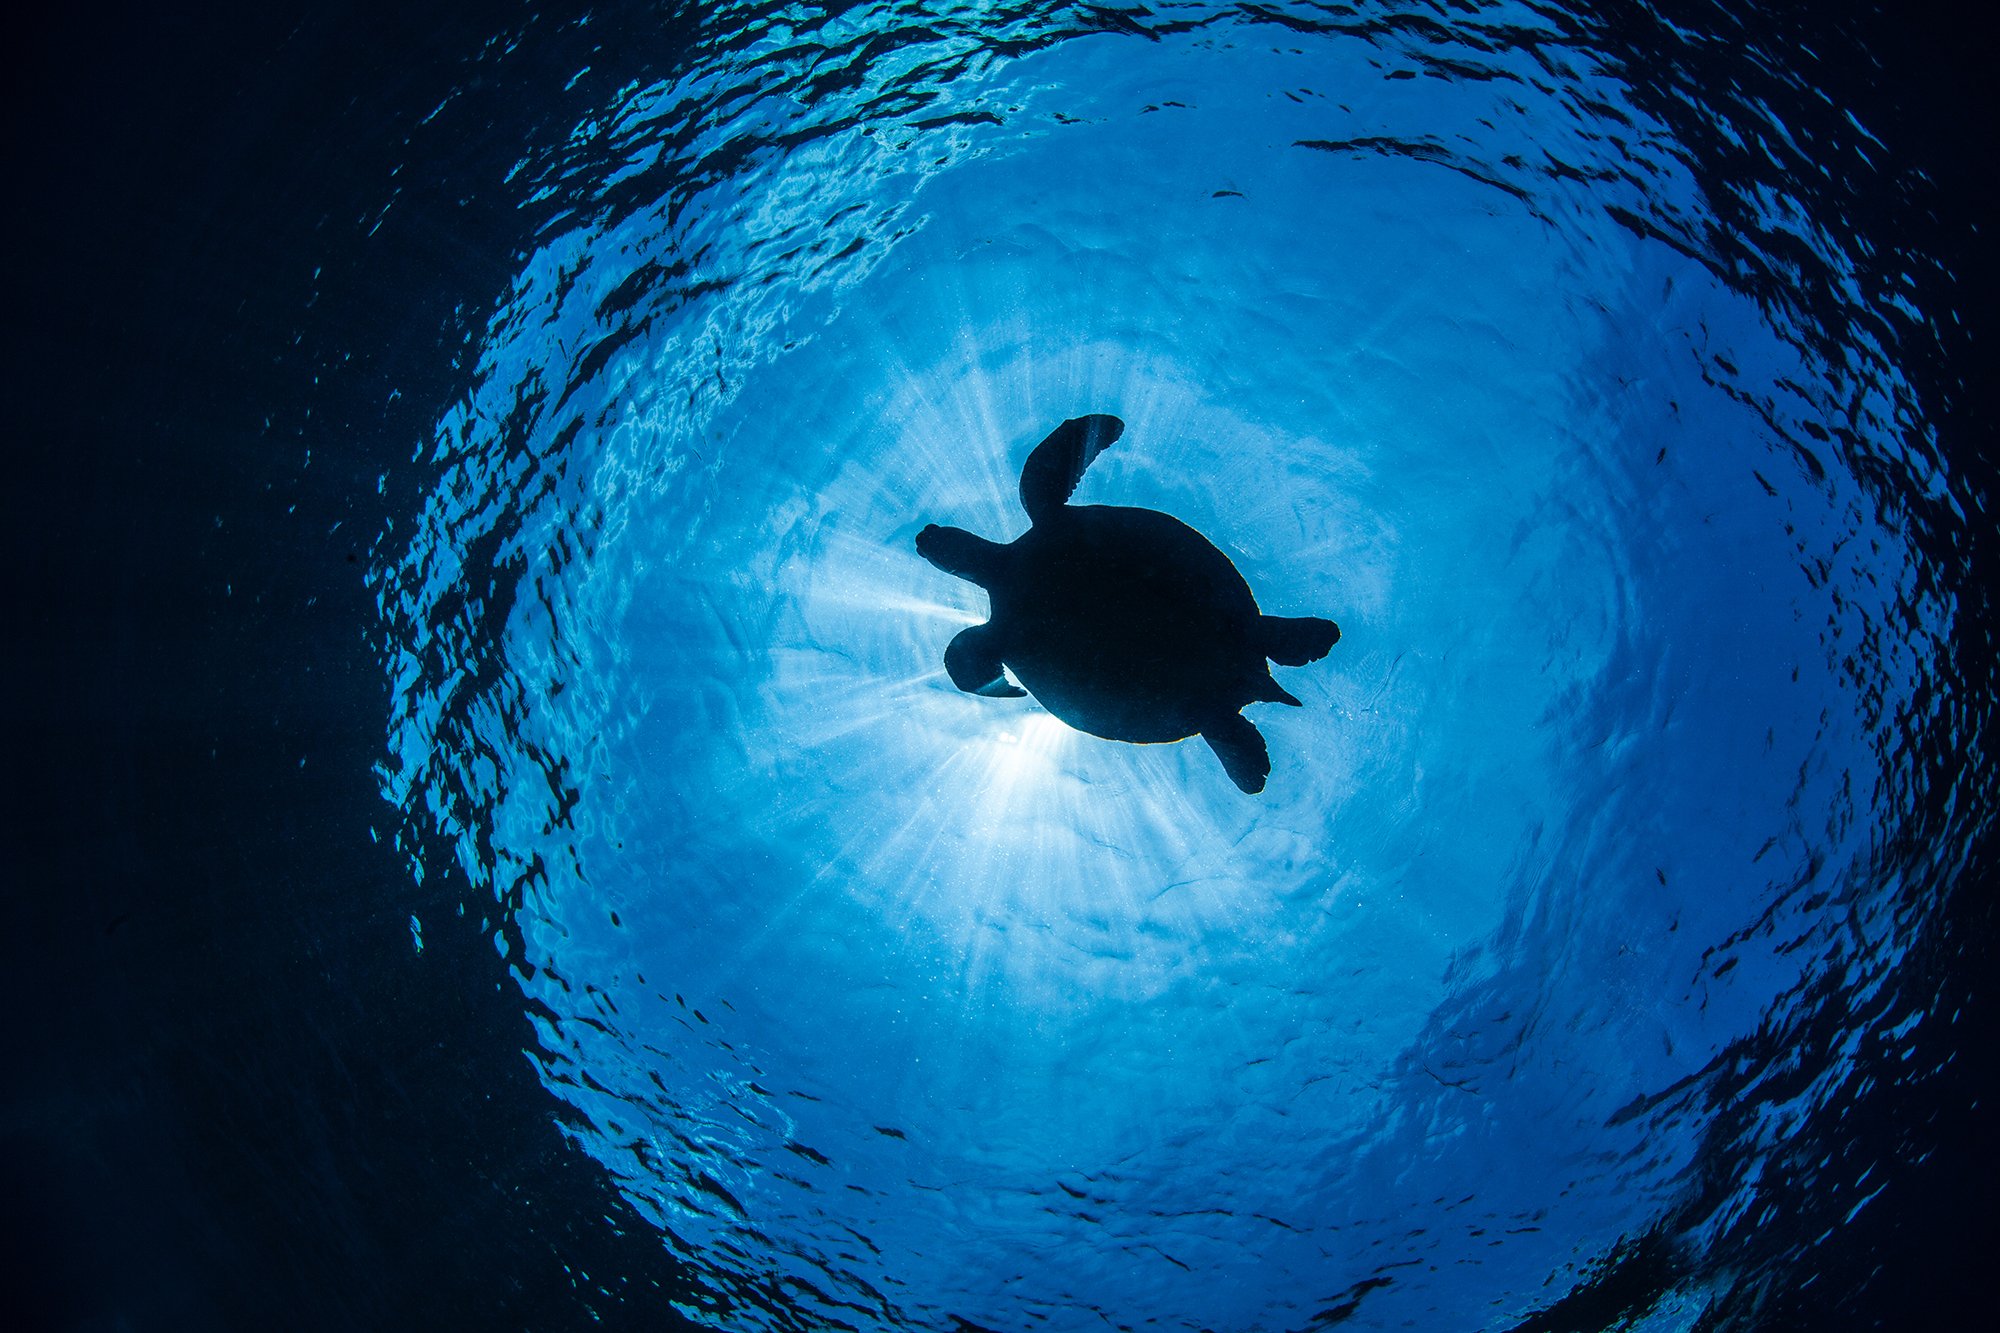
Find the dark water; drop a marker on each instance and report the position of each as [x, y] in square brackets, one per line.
[501, 848]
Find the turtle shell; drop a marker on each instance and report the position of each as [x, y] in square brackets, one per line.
[1127, 623]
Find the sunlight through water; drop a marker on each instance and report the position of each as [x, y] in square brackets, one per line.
[1586, 867]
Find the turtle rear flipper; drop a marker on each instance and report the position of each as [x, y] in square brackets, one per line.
[1240, 747]
[1052, 471]
[1296, 640]
[972, 660]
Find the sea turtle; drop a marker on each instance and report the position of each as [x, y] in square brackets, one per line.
[1126, 623]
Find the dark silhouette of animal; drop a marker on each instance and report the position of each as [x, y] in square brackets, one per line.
[1123, 622]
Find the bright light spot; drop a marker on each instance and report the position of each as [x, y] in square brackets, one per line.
[1034, 743]
[992, 841]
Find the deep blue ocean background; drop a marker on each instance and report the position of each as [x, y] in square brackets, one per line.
[500, 849]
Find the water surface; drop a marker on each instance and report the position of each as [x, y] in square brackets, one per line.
[1581, 901]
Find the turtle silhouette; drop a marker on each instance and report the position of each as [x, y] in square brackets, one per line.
[1123, 622]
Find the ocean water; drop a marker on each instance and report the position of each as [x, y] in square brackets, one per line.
[1576, 358]
[1587, 872]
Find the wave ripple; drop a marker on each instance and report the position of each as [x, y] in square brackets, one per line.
[1583, 898]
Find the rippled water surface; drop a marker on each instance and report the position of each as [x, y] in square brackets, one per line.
[1576, 910]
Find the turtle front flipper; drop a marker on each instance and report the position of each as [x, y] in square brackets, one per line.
[1240, 747]
[1052, 471]
[972, 660]
[961, 553]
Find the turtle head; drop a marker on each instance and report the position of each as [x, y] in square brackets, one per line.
[958, 552]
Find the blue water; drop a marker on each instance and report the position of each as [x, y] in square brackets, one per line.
[1579, 903]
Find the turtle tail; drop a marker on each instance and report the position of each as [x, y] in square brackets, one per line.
[1265, 690]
